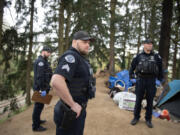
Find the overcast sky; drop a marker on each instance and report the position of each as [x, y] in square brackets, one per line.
[10, 15]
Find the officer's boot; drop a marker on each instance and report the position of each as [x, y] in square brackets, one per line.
[134, 121]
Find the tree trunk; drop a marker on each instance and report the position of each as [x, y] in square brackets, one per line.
[178, 10]
[126, 35]
[178, 69]
[67, 30]
[140, 28]
[129, 60]
[123, 64]
[61, 28]
[145, 24]
[152, 20]
[175, 41]
[174, 61]
[29, 62]
[1, 18]
[112, 38]
[164, 43]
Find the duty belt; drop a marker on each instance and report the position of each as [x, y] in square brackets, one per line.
[146, 76]
[78, 92]
[83, 105]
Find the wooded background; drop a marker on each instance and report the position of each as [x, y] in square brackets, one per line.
[119, 27]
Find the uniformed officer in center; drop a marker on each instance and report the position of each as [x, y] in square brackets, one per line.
[73, 82]
[42, 77]
[147, 66]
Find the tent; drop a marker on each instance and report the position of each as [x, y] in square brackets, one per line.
[170, 98]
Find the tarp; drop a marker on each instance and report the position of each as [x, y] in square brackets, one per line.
[112, 81]
[123, 76]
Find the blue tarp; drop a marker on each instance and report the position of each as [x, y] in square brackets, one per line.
[174, 89]
[112, 81]
[123, 76]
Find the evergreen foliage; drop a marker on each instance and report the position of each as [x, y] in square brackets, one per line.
[132, 22]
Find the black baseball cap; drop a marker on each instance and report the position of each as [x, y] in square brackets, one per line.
[46, 48]
[82, 35]
[147, 41]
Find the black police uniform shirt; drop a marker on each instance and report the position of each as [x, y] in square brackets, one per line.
[42, 74]
[73, 65]
[154, 56]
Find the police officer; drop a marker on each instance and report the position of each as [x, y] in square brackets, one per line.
[147, 66]
[74, 84]
[42, 77]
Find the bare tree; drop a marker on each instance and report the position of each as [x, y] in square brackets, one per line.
[2, 2]
[176, 39]
[29, 62]
[61, 27]
[112, 36]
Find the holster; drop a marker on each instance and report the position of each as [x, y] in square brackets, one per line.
[68, 118]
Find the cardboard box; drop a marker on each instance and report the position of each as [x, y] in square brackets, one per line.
[129, 104]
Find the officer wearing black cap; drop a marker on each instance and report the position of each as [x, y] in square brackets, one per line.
[74, 83]
[147, 66]
[42, 77]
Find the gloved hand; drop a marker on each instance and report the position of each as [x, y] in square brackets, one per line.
[43, 93]
[158, 83]
[133, 80]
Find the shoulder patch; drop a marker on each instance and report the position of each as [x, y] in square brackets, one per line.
[40, 64]
[70, 58]
[66, 67]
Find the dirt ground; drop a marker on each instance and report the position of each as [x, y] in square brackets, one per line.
[103, 118]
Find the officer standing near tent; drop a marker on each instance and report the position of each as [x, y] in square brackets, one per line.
[73, 82]
[148, 67]
[42, 77]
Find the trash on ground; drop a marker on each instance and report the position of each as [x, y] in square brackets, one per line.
[125, 100]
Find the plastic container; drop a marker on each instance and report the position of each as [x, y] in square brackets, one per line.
[165, 114]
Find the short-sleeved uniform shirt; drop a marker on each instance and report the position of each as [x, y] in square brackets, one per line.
[73, 65]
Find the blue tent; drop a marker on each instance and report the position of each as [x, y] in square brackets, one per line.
[174, 88]
[171, 100]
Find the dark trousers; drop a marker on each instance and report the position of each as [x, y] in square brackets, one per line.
[77, 127]
[147, 87]
[38, 107]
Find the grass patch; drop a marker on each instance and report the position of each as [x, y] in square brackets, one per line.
[13, 113]
[3, 119]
